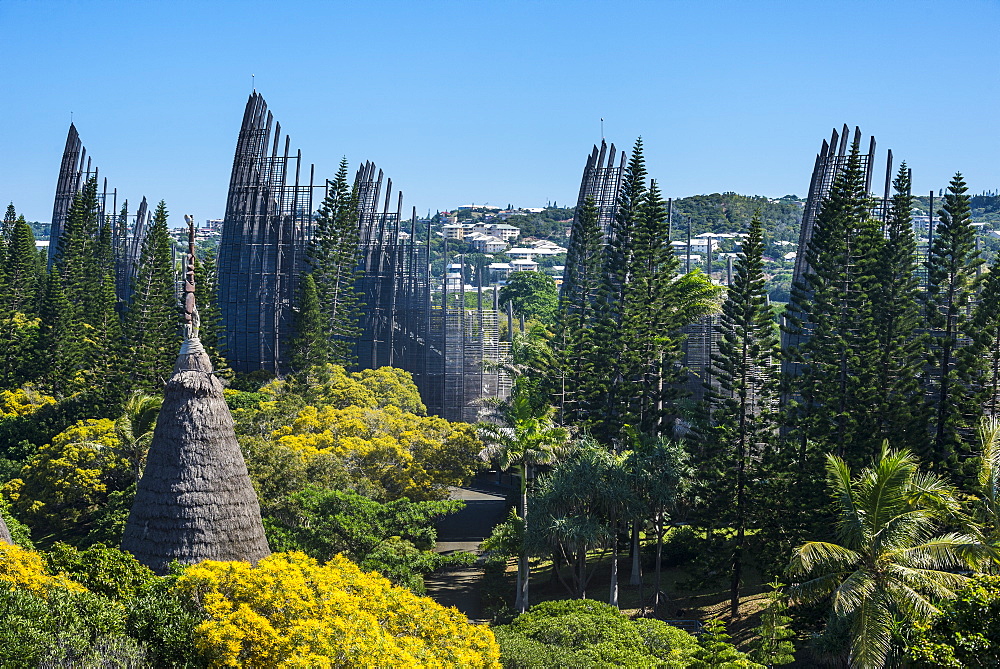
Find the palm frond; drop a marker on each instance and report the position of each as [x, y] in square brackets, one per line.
[849, 524]
[947, 551]
[823, 556]
[871, 633]
[854, 590]
[816, 589]
[909, 602]
[938, 584]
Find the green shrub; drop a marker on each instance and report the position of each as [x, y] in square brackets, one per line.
[105, 571]
[680, 546]
[166, 625]
[58, 629]
[518, 651]
[586, 633]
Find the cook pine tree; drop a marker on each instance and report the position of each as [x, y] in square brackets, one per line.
[952, 284]
[152, 322]
[577, 301]
[333, 260]
[899, 325]
[744, 403]
[832, 317]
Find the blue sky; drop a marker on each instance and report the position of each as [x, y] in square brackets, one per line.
[494, 102]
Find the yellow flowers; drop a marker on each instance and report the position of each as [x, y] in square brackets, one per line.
[405, 454]
[290, 611]
[22, 402]
[25, 569]
[67, 479]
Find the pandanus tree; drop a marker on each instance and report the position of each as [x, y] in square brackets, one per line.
[523, 437]
[892, 560]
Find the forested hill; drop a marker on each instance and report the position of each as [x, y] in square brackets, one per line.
[730, 212]
[718, 212]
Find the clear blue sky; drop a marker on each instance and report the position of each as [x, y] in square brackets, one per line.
[493, 102]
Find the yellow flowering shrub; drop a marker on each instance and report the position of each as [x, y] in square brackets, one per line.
[404, 454]
[67, 479]
[22, 402]
[332, 385]
[25, 570]
[291, 611]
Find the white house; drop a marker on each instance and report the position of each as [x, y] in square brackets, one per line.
[501, 270]
[504, 231]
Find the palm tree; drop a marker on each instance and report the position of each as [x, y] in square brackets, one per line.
[891, 562]
[134, 428]
[988, 511]
[524, 438]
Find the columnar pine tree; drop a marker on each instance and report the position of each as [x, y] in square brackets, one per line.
[20, 270]
[744, 405]
[19, 298]
[898, 321]
[658, 303]
[333, 256]
[7, 229]
[78, 260]
[105, 361]
[981, 357]
[152, 324]
[206, 291]
[952, 268]
[310, 346]
[577, 301]
[832, 312]
[602, 404]
[62, 348]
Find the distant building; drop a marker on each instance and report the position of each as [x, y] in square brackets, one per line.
[521, 253]
[523, 266]
[453, 231]
[489, 244]
[500, 270]
[504, 231]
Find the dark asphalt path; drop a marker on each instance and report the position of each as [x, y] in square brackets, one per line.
[464, 531]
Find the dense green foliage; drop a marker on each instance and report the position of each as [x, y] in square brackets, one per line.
[333, 257]
[533, 294]
[966, 633]
[394, 538]
[585, 633]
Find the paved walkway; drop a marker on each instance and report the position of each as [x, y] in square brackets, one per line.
[464, 531]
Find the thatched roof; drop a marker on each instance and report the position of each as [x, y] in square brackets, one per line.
[4, 532]
[195, 500]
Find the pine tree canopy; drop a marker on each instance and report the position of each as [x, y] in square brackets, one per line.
[152, 323]
[952, 284]
[333, 259]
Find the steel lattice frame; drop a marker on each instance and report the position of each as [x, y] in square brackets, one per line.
[410, 323]
[262, 250]
[601, 182]
[405, 322]
[75, 169]
[830, 162]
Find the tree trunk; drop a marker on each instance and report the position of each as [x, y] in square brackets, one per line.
[581, 573]
[523, 568]
[636, 578]
[613, 595]
[659, 558]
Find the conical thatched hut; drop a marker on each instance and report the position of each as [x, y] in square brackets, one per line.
[195, 500]
[4, 532]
